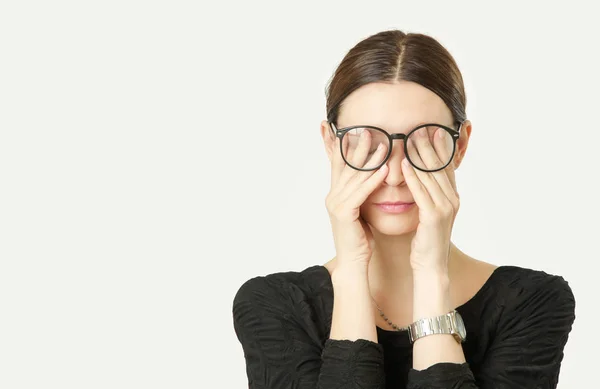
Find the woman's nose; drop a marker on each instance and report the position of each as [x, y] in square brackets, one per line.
[395, 176]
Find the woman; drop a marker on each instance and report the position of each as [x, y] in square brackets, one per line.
[400, 306]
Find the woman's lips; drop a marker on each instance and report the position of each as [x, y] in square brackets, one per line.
[394, 207]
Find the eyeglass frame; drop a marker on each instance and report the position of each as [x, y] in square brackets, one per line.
[455, 134]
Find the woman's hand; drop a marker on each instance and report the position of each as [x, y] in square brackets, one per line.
[349, 190]
[438, 201]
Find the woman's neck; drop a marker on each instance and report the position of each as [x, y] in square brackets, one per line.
[390, 273]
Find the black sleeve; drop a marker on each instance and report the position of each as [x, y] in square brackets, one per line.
[280, 353]
[527, 350]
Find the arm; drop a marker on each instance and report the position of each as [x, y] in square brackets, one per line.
[281, 351]
[431, 298]
[352, 316]
[527, 350]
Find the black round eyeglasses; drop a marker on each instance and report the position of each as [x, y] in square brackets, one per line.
[428, 147]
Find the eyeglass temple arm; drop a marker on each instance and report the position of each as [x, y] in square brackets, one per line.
[331, 126]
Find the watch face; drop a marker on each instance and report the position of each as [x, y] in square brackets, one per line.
[460, 326]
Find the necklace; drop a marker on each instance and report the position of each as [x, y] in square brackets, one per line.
[396, 327]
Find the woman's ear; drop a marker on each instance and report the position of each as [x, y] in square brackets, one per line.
[328, 138]
[462, 143]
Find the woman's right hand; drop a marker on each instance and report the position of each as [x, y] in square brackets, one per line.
[349, 190]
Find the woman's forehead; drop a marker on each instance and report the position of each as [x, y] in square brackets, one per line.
[394, 107]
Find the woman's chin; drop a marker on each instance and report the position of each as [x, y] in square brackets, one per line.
[387, 226]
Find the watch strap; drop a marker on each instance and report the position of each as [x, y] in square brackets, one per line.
[442, 324]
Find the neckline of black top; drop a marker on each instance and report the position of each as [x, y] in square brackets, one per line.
[403, 334]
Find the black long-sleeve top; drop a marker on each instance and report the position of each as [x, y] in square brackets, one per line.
[517, 326]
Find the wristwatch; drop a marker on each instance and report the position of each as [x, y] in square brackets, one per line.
[450, 323]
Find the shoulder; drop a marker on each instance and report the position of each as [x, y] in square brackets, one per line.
[283, 304]
[281, 288]
[534, 296]
[519, 283]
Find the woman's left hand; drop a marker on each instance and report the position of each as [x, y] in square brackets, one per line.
[437, 198]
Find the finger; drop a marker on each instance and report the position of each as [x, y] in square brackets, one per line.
[349, 174]
[416, 187]
[337, 163]
[444, 146]
[419, 140]
[442, 143]
[358, 147]
[427, 179]
[413, 150]
[357, 192]
[435, 156]
[378, 156]
[452, 178]
[426, 150]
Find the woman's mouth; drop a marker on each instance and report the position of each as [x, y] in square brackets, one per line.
[394, 207]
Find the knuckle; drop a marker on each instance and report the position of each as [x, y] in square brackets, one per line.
[343, 214]
[335, 211]
[437, 216]
[330, 203]
[446, 211]
[456, 204]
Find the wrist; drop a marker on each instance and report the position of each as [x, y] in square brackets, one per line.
[349, 272]
[431, 295]
[433, 263]
[431, 277]
[434, 271]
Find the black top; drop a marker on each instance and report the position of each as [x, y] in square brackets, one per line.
[517, 326]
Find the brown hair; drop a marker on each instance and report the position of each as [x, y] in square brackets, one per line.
[393, 55]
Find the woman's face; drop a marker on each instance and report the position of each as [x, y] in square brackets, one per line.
[395, 108]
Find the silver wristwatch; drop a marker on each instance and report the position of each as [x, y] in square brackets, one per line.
[450, 323]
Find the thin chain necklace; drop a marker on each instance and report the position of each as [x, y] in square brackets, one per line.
[394, 326]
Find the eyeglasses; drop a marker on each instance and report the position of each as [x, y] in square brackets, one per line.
[428, 147]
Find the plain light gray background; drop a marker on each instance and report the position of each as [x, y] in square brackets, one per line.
[155, 155]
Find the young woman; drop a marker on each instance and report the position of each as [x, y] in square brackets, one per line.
[400, 306]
